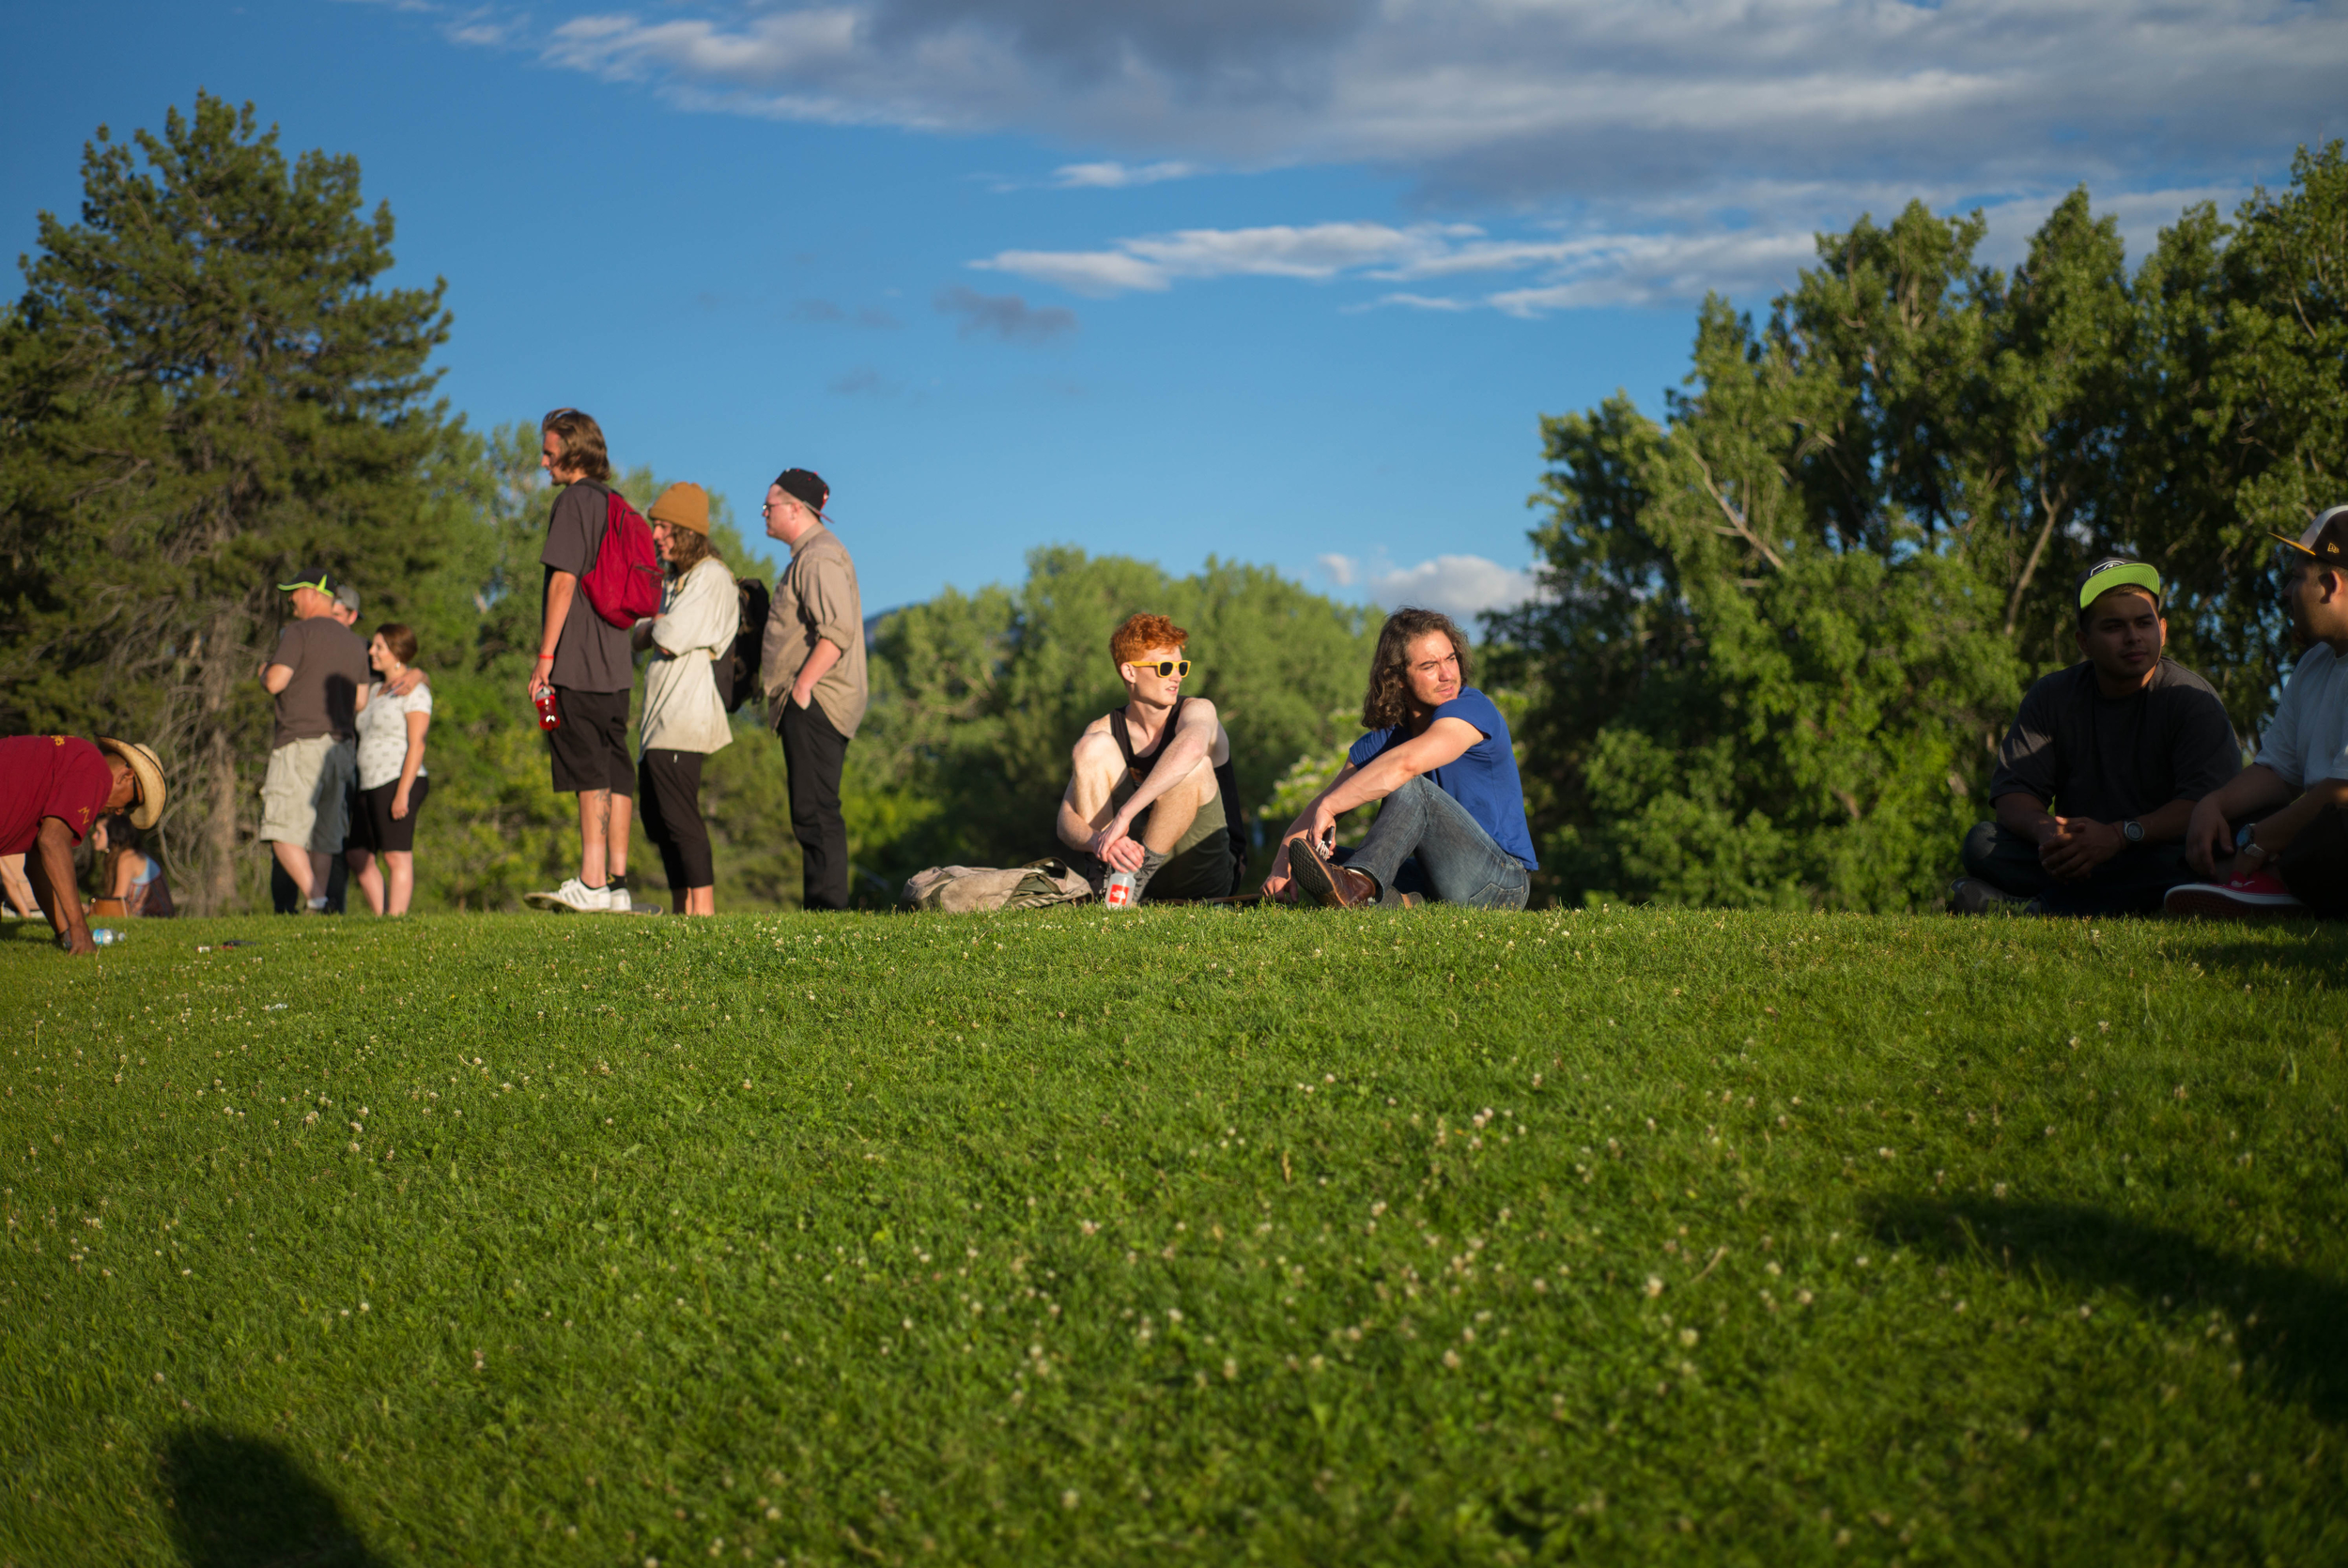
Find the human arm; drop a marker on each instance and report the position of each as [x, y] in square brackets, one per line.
[2209, 836]
[13, 886]
[2272, 836]
[2072, 847]
[405, 683]
[1085, 807]
[49, 870]
[1195, 735]
[560, 588]
[412, 763]
[1275, 882]
[820, 659]
[276, 678]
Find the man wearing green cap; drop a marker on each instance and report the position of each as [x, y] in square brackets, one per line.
[318, 675]
[2291, 856]
[2098, 779]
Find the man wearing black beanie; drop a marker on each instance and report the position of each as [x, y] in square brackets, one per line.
[812, 663]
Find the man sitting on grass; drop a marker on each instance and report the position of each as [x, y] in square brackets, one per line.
[2295, 861]
[1438, 754]
[2099, 774]
[1148, 781]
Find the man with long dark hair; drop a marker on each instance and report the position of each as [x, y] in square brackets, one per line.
[586, 663]
[1438, 754]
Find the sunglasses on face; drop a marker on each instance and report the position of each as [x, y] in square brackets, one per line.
[1163, 668]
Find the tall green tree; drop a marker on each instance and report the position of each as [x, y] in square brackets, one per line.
[202, 388]
[1784, 625]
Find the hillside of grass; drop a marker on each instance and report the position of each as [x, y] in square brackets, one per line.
[1422, 1237]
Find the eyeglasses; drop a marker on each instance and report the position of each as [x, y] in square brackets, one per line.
[1163, 668]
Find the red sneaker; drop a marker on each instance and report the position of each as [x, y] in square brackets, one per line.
[2252, 894]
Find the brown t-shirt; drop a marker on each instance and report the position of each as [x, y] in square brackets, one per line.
[816, 597]
[330, 666]
[590, 654]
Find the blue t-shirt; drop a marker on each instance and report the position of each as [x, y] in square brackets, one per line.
[1483, 778]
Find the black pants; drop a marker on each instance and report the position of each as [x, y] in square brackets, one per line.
[668, 797]
[2131, 883]
[817, 754]
[2314, 865]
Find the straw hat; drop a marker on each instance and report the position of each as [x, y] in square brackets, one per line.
[148, 769]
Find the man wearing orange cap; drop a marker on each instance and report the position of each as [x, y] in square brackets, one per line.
[2294, 861]
[53, 788]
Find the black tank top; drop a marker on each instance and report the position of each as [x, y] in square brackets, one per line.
[1139, 766]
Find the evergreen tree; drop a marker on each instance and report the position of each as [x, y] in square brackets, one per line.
[202, 391]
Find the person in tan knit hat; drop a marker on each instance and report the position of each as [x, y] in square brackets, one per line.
[685, 717]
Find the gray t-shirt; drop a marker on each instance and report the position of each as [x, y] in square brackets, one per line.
[330, 666]
[2111, 760]
[591, 654]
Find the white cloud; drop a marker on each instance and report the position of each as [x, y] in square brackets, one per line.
[1580, 99]
[1460, 585]
[1117, 176]
[1643, 153]
[1315, 251]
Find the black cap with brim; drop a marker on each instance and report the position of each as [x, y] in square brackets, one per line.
[2325, 539]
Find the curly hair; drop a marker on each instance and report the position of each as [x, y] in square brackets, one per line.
[581, 438]
[1141, 633]
[1389, 701]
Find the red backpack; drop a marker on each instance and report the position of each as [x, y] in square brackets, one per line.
[624, 584]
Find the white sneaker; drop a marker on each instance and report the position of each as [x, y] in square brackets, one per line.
[573, 895]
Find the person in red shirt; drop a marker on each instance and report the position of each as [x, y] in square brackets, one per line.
[53, 789]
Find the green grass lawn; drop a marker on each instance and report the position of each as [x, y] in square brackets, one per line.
[1419, 1236]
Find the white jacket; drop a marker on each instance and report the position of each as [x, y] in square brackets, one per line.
[700, 613]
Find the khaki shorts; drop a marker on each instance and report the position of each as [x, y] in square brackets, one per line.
[304, 796]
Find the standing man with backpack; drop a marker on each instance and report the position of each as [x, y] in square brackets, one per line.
[812, 664]
[584, 660]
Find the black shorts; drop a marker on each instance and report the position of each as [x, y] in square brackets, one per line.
[590, 750]
[374, 828]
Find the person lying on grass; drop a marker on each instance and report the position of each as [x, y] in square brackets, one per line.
[1148, 781]
[54, 788]
[2099, 773]
[2295, 860]
[1438, 754]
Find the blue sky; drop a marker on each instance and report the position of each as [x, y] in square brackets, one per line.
[1282, 281]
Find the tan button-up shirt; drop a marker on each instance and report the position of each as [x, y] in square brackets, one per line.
[816, 597]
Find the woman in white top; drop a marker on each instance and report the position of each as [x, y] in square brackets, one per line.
[684, 718]
[392, 781]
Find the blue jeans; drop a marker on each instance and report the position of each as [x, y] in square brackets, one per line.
[1425, 842]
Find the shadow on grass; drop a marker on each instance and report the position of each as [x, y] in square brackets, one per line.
[2321, 952]
[2294, 1322]
[238, 1502]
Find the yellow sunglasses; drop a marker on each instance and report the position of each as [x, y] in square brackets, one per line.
[1164, 667]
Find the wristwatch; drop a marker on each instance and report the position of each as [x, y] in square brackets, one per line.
[2133, 831]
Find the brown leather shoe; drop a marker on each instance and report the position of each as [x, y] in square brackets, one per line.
[1322, 881]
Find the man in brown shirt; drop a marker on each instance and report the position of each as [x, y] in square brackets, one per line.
[812, 664]
[318, 675]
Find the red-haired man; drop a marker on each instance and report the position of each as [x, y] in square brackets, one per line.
[1147, 785]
